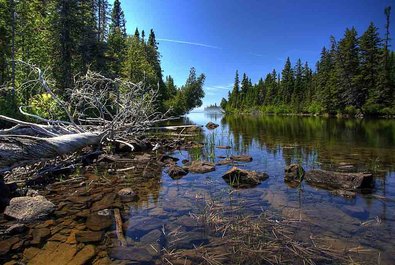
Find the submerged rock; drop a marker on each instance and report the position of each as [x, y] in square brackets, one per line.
[127, 195]
[294, 173]
[88, 236]
[176, 172]
[200, 167]
[135, 254]
[241, 158]
[211, 125]
[344, 193]
[223, 147]
[5, 245]
[98, 222]
[59, 253]
[240, 178]
[27, 209]
[225, 162]
[39, 234]
[339, 180]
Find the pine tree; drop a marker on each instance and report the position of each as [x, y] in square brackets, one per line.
[117, 41]
[370, 52]
[234, 99]
[287, 83]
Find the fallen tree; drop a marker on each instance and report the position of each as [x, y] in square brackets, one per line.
[97, 110]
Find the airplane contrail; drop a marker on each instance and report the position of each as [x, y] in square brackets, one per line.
[191, 43]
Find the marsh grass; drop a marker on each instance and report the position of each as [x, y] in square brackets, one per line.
[238, 238]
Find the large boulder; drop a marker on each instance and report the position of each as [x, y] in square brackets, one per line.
[339, 180]
[28, 209]
[200, 167]
[239, 178]
[294, 173]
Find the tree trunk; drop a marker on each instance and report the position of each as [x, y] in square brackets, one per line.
[22, 149]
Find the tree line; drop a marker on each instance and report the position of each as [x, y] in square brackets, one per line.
[356, 75]
[68, 37]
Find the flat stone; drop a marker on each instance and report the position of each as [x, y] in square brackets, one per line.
[39, 235]
[28, 209]
[339, 180]
[84, 255]
[200, 167]
[88, 236]
[97, 222]
[106, 202]
[135, 254]
[223, 147]
[155, 236]
[5, 245]
[225, 162]
[241, 158]
[55, 253]
[240, 178]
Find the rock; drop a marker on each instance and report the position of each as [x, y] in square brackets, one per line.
[4, 195]
[54, 253]
[339, 180]
[39, 235]
[294, 173]
[88, 236]
[200, 167]
[106, 202]
[176, 172]
[188, 240]
[127, 195]
[135, 254]
[241, 158]
[85, 255]
[344, 193]
[5, 245]
[168, 159]
[98, 222]
[16, 229]
[224, 147]
[240, 178]
[225, 162]
[31, 193]
[155, 236]
[211, 125]
[27, 209]
[185, 161]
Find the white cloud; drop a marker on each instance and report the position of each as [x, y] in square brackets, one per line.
[190, 43]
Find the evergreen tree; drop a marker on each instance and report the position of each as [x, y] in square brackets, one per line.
[370, 53]
[287, 83]
[117, 41]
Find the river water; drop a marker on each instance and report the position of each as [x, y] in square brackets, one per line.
[161, 227]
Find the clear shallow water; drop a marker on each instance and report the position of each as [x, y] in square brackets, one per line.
[363, 226]
[365, 222]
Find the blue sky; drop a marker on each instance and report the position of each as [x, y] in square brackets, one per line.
[218, 37]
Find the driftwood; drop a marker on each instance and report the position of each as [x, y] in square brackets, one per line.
[118, 227]
[98, 110]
